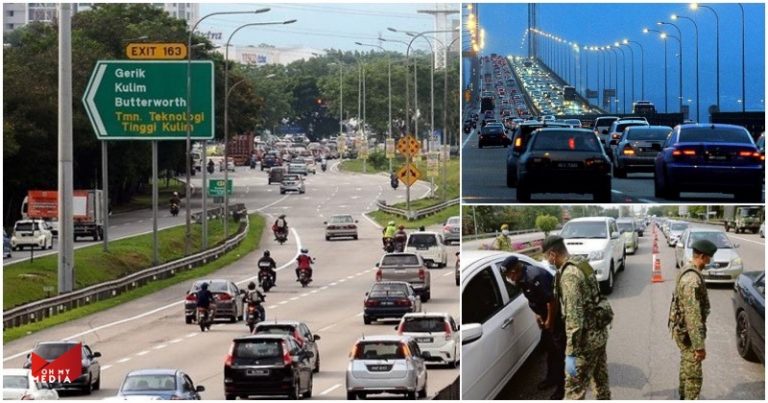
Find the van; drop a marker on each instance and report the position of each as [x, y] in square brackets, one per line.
[430, 246]
[276, 175]
[598, 240]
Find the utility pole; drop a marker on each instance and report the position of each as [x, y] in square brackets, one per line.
[66, 255]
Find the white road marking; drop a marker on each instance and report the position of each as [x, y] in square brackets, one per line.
[126, 359]
[140, 353]
[314, 292]
[331, 389]
[375, 224]
[350, 277]
[106, 367]
[324, 288]
[272, 307]
[467, 139]
[176, 341]
[283, 302]
[271, 204]
[448, 274]
[359, 314]
[305, 294]
[745, 239]
[332, 284]
[190, 335]
[294, 299]
[327, 327]
[161, 346]
[342, 280]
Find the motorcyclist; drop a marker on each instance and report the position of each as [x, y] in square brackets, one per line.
[205, 299]
[256, 295]
[389, 232]
[175, 201]
[272, 265]
[393, 181]
[305, 263]
[323, 164]
[400, 237]
[280, 226]
[211, 166]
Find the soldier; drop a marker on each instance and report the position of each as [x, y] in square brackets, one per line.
[502, 242]
[587, 316]
[538, 288]
[688, 318]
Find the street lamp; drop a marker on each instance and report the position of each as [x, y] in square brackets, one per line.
[340, 63]
[188, 188]
[680, 51]
[642, 66]
[663, 36]
[625, 42]
[696, 30]
[695, 6]
[407, 89]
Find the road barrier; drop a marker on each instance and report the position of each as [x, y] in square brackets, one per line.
[416, 214]
[528, 247]
[490, 235]
[39, 310]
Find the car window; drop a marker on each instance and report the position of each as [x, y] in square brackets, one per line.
[625, 226]
[341, 219]
[51, 351]
[564, 141]
[718, 238]
[188, 385]
[213, 286]
[453, 221]
[254, 349]
[397, 260]
[760, 285]
[424, 324]
[149, 382]
[621, 126]
[647, 134]
[379, 350]
[305, 331]
[15, 382]
[275, 329]
[453, 323]
[482, 297]
[584, 229]
[717, 135]
[414, 347]
[87, 352]
[422, 240]
[385, 287]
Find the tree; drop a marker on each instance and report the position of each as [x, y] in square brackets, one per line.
[546, 223]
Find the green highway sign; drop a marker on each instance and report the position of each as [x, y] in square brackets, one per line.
[147, 100]
[216, 187]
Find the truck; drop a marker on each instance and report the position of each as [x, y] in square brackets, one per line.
[241, 147]
[569, 93]
[87, 206]
[487, 101]
[742, 218]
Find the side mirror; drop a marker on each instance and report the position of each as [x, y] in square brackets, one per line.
[96, 354]
[377, 264]
[200, 388]
[471, 333]
[316, 337]
[605, 131]
[397, 327]
[325, 222]
[614, 235]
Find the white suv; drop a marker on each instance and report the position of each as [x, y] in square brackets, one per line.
[597, 239]
[32, 233]
[435, 333]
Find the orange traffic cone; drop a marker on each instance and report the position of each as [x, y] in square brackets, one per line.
[655, 247]
[656, 274]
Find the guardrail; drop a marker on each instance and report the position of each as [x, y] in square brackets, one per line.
[38, 310]
[495, 234]
[416, 214]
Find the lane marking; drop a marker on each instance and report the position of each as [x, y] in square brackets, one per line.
[161, 346]
[327, 327]
[126, 359]
[176, 341]
[748, 240]
[331, 389]
[106, 367]
[140, 353]
[283, 302]
[305, 294]
[332, 284]
[467, 139]
[359, 314]
[375, 224]
[272, 307]
[342, 280]
[271, 204]
[324, 288]
[191, 335]
[294, 299]
[447, 274]
[314, 292]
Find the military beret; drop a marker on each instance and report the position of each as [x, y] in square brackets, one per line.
[504, 226]
[704, 246]
[509, 263]
[551, 241]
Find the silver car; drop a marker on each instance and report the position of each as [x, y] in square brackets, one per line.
[340, 225]
[452, 230]
[387, 364]
[725, 266]
[629, 232]
[676, 229]
[292, 183]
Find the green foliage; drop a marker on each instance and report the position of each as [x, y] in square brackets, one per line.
[546, 223]
[490, 218]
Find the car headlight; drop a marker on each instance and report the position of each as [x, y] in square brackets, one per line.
[596, 255]
[736, 263]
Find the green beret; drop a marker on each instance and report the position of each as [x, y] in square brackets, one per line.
[704, 246]
[551, 241]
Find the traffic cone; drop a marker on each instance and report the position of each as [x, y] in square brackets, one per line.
[655, 247]
[656, 274]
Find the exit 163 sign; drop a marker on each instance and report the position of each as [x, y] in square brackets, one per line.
[147, 100]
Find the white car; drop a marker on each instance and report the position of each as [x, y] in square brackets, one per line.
[386, 364]
[32, 233]
[676, 229]
[725, 266]
[430, 246]
[435, 333]
[18, 384]
[598, 240]
[498, 329]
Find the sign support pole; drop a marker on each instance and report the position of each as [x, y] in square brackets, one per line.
[408, 188]
[154, 203]
[66, 258]
[105, 191]
[204, 216]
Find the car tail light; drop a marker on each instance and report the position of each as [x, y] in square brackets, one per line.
[446, 228]
[230, 358]
[353, 352]
[371, 302]
[684, 152]
[400, 329]
[378, 275]
[422, 274]
[406, 350]
[403, 302]
[286, 355]
[616, 136]
[518, 143]
[224, 297]
[191, 297]
[749, 153]
[448, 331]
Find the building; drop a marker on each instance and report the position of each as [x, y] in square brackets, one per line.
[16, 15]
[263, 55]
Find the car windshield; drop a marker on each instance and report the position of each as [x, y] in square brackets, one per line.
[399, 260]
[454, 221]
[342, 219]
[389, 287]
[492, 130]
[26, 226]
[52, 351]
[565, 141]
[718, 238]
[275, 329]
[213, 286]
[149, 382]
[15, 382]
[621, 126]
[748, 212]
[384, 293]
[379, 350]
[585, 229]
[625, 226]
[648, 134]
[678, 226]
[422, 240]
[255, 349]
[717, 135]
[428, 324]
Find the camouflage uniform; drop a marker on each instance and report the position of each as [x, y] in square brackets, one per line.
[584, 340]
[502, 243]
[688, 324]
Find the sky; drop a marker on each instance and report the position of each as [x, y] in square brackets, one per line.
[322, 26]
[603, 24]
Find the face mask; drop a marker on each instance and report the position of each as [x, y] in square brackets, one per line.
[505, 232]
[545, 262]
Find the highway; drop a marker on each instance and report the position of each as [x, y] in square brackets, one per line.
[150, 332]
[642, 358]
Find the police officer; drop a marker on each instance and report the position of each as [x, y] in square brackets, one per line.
[585, 336]
[537, 285]
[688, 318]
[502, 241]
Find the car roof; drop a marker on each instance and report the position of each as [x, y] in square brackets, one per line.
[16, 371]
[153, 371]
[423, 232]
[263, 336]
[622, 122]
[710, 125]
[702, 229]
[569, 129]
[209, 281]
[588, 219]
[375, 283]
[650, 127]
[384, 338]
[279, 323]
[426, 314]
[58, 342]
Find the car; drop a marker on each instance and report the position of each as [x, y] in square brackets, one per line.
[32, 233]
[435, 333]
[6, 245]
[760, 143]
[386, 364]
[298, 168]
[230, 165]
[676, 229]
[267, 365]
[340, 225]
[640, 225]
[159, 384]
[520, 138]
[495, 313]
[598, 240]
[311, 166]
[292, 183]
[749, 309]
[276, 175]
[227, 299]
[457, 268]
[452, 230]
[709, 158]
[568, 160]
[724, 267]
[602, 124]
[492, 135]
[576, 123]
[408, 267]
[90, 378]
[299, 331]
[637, 148]
[430, 246]
[629, 232]
[19, 384]
[616, 131]
[389, 299]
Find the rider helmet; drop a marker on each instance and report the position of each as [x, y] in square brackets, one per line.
[401, 227]
[204, 286]
[304, 250]
[391, 223]
[266, 253]
[251, 285]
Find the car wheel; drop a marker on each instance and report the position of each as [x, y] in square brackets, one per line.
[410, 396]
[308, 393]
[658, 190]
[743, 341]
[426, 296]
[677, 264]
[233, 318]
[423, 392]
[97, 385]
[624, 259]
[752, 196]
[366, 320]
[351, 396]
[229, 397]
[603, 196]
[619, 172]
[606, 287]
[327, 238]
[317, 364]
[479, 145]
[354, 237]
[88, 388]
[523, 194]
[511, 178]
[188, 320]
[294, 393]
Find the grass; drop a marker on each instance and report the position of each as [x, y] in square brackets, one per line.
[249, 244]
[144, 200]
[93, 265]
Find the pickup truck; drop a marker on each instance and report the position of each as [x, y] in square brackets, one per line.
[408, 267]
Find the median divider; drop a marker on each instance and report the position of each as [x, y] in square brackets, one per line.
[416, 214]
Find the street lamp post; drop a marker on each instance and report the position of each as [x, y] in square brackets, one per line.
[632, 64]
[389, 92]
[663, 36]
[642, 67]
[696, 30]
[617, 46]
[188, 188]
[695, 6]
[743, 65]
[226, 119]
[680, 52]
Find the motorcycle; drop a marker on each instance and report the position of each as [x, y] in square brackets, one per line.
[281, 235]
[253, 314]
[253, 164]
[399, 245]
[305, 277]
[389, 245]
[394, 182]
[205, 317]
[323, 166]
[174, 209]
[211, 167]
[265, 277]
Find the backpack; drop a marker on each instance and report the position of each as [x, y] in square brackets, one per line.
[600, 309]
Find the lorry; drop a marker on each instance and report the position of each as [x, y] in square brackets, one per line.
[742, 218]
[87, 211]
[241, 147]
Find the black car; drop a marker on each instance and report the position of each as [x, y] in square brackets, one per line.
[749, 306]
[226, 294]
[564, 161]
[299, 330]
[520, 138]
[270, 160]
[267, 365]
[389, 299]
[637, 147]
[492, 135]
[88, 381]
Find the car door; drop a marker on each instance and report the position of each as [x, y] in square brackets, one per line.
[441, 247]
[617, 243]
[456, 338]
[235, 291]
[303, 363]
[680, 248]
[525, 331]
[415, 300]
[311, 344]
[756, 310]
[188, 388]
[490, 356]
[93, 364]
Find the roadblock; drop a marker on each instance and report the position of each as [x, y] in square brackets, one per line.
[656, 270]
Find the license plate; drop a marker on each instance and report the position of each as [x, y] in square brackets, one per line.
[422, 248]
[386, 303]
[379, 368]
[424, 340]
[257, 372]
[567, 165]
[717, 157]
